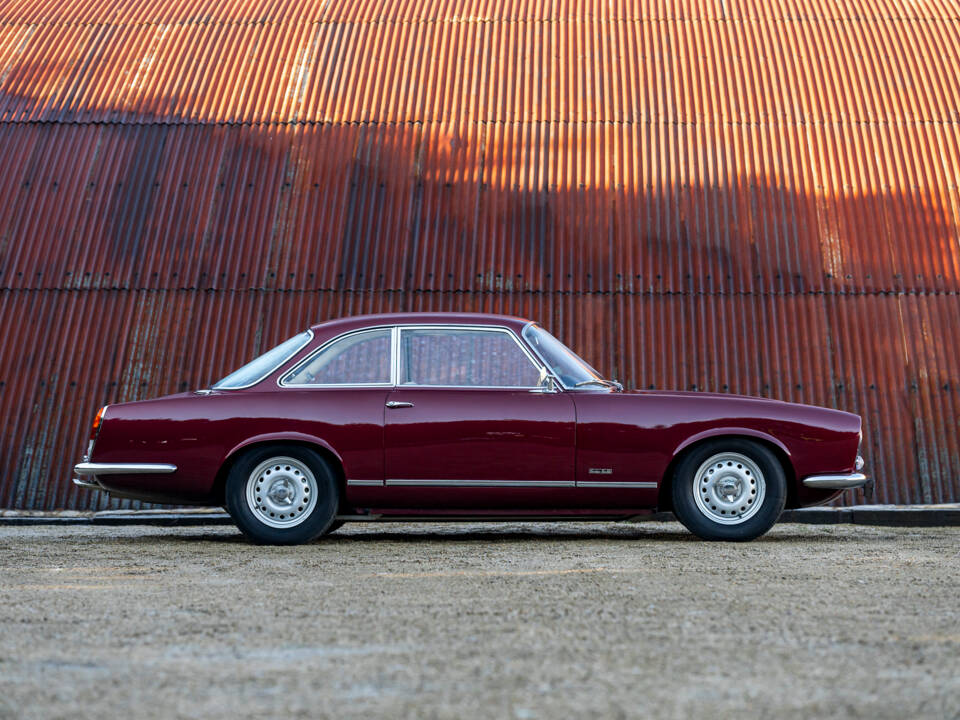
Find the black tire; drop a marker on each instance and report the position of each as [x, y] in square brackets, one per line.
[742, 489]
[293, 466]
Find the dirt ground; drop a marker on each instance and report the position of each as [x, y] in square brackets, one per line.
[467, 620]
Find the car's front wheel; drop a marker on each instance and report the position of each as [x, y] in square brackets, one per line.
[729, 489]
[282, 494]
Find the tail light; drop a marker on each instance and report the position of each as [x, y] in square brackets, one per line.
[95, 430]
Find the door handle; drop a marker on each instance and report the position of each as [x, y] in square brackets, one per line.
[398, 404]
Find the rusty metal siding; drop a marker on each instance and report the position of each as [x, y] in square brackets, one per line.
[156, 205]
[714, 195]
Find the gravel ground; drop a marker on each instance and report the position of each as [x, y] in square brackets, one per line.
[467, 620]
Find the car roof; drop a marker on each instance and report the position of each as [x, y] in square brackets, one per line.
[427, 318]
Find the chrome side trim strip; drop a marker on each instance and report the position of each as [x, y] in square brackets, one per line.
[483, 483]
[613, 484]
[90, 468]
[836, 482]
[366, 483]
[511, 483]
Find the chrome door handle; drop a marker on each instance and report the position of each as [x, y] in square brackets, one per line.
[398, 404]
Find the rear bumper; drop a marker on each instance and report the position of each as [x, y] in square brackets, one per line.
[836, 482]
[90, 483]
[88, 471]
[91, 468]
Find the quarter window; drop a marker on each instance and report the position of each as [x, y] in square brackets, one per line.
[358, 359]
[464, 358]
[255, 370]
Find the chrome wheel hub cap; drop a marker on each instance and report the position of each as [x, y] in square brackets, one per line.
[729, 488]
[281, 492]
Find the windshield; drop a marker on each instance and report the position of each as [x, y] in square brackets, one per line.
[565, 364]
[254, 371]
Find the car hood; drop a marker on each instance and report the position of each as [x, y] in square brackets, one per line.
[705, 395]
[758, 404]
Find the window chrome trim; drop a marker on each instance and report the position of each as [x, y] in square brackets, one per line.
[483, 328]
[396, 330]
[541, 358]
[545, 363]
[395, 355]
[281, 381]
[276, 367]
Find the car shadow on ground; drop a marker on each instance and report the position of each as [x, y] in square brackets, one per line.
[616, 533]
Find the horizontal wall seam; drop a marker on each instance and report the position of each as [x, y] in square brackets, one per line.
[503, 291]
[659, 121]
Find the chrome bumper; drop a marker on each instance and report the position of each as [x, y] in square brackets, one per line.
[90, 484]
[88, 471]
[91, 468]
[836, 482]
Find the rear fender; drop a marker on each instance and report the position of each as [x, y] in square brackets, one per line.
[282, 437]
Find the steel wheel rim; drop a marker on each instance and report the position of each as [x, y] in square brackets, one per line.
[281, 492]
[729, 488]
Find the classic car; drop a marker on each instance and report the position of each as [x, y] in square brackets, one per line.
[441, 416]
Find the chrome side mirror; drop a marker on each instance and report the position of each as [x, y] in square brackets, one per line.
[546, 383]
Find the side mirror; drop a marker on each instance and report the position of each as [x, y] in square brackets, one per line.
[546, 383]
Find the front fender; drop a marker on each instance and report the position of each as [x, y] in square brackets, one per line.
[728, 431]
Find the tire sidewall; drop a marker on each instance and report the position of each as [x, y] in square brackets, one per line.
[685, 507]
[319, 520]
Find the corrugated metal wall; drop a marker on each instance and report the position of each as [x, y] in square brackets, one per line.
[747, 197]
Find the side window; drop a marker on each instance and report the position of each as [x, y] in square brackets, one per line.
[465, 358]
[359, 359]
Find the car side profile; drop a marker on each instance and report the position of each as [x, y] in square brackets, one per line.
[438, 416]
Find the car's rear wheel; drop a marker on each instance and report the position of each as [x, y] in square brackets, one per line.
[282, 494]
[729, 489]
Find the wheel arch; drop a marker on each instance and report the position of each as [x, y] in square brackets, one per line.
[780, 451]
[318, 445]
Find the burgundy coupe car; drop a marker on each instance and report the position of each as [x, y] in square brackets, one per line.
[447, 415]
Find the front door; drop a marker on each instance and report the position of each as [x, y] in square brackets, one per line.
[468, 428]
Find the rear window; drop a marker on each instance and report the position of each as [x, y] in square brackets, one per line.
[256, 370]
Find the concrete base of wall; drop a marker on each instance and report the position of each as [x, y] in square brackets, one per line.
[893, 515]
